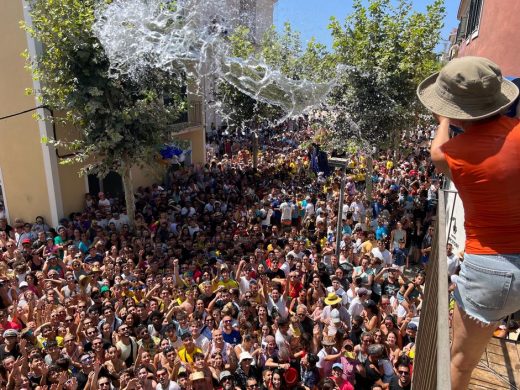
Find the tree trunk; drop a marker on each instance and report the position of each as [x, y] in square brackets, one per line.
[126, 175]
[368, 178]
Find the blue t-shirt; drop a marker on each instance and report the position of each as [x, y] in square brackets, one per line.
[346, 230]
[233, 338]
[381, 232]
[400, 256]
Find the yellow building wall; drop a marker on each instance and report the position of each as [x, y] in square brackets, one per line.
[146, 176]
[21, 157]
[73, 186]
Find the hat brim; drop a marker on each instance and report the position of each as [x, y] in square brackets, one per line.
[327, 343]
[332, 301]
[426, 92]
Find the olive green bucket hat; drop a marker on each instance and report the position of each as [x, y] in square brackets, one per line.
[467, 88]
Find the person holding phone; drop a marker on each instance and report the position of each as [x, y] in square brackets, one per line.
[470, 93]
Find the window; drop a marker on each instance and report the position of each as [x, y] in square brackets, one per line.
[461, 31]
[475, 9]
[469, 23]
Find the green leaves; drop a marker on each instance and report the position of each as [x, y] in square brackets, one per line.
[119, 120]
[389, 50]
[282, 52]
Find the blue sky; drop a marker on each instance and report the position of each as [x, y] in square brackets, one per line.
[311, 17]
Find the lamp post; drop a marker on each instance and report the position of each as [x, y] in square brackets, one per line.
[339, 225]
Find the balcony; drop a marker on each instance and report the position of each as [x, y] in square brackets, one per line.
[499, 366]
[432, 362]
[194, 116]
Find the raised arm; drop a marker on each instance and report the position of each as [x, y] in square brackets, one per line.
[441, 137]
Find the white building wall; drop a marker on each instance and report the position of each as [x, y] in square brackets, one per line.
[264, 17]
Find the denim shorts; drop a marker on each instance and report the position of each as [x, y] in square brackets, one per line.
[488, 286]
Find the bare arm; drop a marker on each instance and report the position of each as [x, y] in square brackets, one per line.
[441, 137]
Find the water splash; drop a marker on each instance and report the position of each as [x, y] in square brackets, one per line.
[189, 39]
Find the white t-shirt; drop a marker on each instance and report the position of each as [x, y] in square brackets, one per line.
[203, 343]
[117, 222]
[453, 264]
[267, 220]
[325, 365]
[356, 307]
[309, 209]
[281, 306]
[358, 211]
[286, 210]
[386, 256]
[104, 204]
[172, 386]
[343, 314]
[285, 267]
[243, 285]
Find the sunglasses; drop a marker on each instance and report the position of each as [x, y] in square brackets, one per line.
[403, 372]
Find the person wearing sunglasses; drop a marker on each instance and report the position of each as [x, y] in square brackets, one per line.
[403, 380]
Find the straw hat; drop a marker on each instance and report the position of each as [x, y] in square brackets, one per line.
[467, 88]
[332, 299]
[328, 340]
[197, 376]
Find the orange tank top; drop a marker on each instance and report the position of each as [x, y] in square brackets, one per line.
[485, 167]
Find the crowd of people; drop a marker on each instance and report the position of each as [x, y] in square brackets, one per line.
[228, 279]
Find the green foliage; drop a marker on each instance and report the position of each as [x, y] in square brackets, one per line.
[121, 122]
[281, 52]
[241, 44]
[388, 50]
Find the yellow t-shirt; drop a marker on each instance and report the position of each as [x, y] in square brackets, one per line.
[43, 340]
[366, 247]
[229, 284]
[186, 356]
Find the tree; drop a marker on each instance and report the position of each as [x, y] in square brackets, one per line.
[122, 123]
[280, 52]
[387, 50]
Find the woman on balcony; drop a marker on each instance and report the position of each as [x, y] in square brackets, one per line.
[484, 165]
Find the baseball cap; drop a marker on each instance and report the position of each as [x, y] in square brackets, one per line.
[10, 333]
[224, 375]
[362, 291]
[245, 356]
[338, 366]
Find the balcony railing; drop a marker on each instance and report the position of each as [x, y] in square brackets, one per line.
[432, 355]
[193, 117]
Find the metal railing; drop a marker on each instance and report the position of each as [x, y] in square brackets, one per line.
[432, 354]
[195, 112]
[194, 116]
